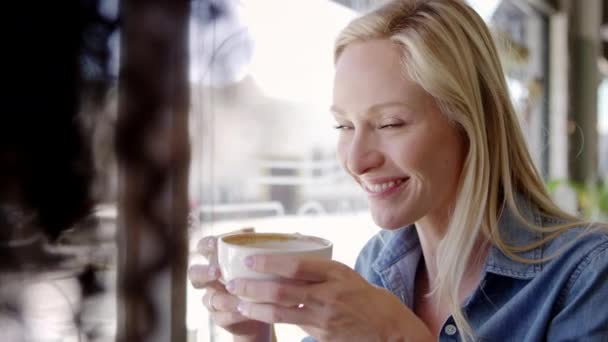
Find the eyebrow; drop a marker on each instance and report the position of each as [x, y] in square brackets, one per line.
[374, 108]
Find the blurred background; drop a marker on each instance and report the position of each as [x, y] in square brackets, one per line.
[243, 88]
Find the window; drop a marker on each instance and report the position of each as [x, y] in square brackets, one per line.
[261, 131]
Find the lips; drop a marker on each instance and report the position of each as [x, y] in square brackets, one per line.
[384, 186]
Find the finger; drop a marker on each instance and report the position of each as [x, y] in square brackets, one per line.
[301, 268]
[285, 293]
[202, 275]
[270, 313]
[208, 300]
[225, 319]
[207, 246]
[215, 300]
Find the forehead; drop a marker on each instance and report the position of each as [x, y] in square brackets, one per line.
[372, 72]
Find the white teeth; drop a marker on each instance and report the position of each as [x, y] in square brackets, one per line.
[382, 187]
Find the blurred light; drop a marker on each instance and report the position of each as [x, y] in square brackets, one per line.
[485, 8]
[516, 89]
[221, 47]
[274, 42]
[293, 56]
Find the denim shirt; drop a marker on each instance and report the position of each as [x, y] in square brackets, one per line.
[562, 299]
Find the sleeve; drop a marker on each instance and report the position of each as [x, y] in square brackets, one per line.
[583, 315]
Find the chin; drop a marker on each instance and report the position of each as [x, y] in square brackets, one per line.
[389, 222]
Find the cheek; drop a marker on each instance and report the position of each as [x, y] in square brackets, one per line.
[342, 151]
[411, 153]
[435, 156]
[449, 161]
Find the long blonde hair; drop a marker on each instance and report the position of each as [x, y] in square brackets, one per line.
[448, 50]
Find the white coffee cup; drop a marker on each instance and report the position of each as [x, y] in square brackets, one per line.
[232, 249]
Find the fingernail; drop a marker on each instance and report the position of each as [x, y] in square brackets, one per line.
[212, 271]
[230, 286]
[249, 261]
[242, 307]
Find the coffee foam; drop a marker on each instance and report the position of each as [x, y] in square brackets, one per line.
[274, 241]
[248, 239]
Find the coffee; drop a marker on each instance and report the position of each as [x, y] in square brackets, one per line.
[274, 241]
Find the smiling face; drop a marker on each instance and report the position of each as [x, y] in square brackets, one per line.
[394, 140]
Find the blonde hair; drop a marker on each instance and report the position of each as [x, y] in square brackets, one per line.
[448, 50]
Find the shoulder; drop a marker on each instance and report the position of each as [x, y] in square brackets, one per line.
[583, 262]
[581, 253]
[576, 245]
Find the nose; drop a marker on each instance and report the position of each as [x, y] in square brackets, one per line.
[363, 154]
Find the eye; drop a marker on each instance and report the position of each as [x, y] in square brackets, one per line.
[342, 127]
[391, 125]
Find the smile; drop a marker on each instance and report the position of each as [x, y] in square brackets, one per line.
[383, 188]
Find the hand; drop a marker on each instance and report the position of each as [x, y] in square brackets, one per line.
[221, 305]
[328, 300]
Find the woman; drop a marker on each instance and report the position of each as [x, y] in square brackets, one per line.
[472, 248]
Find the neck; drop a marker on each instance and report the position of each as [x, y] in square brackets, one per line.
[431, 231]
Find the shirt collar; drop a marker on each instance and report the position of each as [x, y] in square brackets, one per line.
[515, 233]
[404, 243]
[398, 244]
